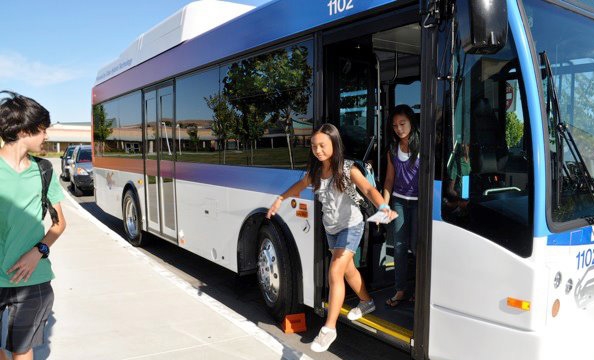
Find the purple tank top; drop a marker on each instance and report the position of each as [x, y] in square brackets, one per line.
[406, 178]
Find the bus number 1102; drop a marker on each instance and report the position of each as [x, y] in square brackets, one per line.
[584, 258]
[339, 6]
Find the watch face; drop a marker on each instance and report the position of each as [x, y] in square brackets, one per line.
[43, 248]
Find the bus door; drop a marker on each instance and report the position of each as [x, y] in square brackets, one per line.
[477, 238]
[160, 152]
[350, 90]
[361, 76]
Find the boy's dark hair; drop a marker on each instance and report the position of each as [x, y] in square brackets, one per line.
[18, 114]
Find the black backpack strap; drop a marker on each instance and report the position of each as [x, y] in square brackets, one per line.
[46, 170]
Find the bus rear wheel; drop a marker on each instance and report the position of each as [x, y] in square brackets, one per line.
[275, 276]
[131, 218]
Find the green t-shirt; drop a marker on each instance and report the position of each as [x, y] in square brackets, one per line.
[21, 226]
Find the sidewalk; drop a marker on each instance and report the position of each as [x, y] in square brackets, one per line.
[113, 302]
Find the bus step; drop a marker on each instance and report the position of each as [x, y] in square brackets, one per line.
[392, 333]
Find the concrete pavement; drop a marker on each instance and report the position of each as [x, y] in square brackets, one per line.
[113, 302]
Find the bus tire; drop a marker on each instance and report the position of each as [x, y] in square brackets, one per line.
[274, 272]
[131, 219]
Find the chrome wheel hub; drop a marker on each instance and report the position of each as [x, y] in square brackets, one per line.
[131, 218]
[268, 271]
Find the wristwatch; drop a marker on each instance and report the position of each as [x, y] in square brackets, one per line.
[43, 249]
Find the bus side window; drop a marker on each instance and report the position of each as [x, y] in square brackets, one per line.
[118, 127]
[202, 125]
[270, 97]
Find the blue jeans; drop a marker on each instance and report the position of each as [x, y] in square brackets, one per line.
[347, 239]
[403, 232]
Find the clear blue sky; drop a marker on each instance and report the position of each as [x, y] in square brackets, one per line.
[51, 50]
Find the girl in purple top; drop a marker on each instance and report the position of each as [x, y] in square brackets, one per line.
[401, 190]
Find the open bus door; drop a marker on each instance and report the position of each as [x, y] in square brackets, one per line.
[365, 66]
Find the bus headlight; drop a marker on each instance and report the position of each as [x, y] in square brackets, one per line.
[558, 278]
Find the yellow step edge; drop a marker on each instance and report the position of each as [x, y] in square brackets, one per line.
[386, 327]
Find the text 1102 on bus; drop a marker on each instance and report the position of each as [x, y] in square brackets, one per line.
[339, 6]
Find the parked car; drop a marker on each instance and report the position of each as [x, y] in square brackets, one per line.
[81, 170]
[64, 163]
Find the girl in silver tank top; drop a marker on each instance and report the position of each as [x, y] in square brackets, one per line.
[334, 179]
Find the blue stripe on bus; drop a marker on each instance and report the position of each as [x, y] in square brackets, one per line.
[581, 236]
[264, 180]
[536, 126]
[437, 200]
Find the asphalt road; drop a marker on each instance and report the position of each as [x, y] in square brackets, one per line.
[242, 296]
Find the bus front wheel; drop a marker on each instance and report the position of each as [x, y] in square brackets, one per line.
[131, 218]
[275, 276]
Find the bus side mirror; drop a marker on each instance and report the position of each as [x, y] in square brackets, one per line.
[482, 25]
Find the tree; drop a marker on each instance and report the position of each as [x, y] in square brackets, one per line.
[224, 120]
[242, 91]
[102, 128]
[286, 83]
[269, 89]
[514, 129]
[193, 134]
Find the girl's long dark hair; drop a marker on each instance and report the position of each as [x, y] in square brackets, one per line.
[314, 166]
[414, 137]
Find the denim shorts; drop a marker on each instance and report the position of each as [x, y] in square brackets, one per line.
[347, 239]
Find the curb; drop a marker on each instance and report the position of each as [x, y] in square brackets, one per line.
[249, 327]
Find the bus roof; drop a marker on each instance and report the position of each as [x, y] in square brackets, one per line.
[190, 21]
[268, 23]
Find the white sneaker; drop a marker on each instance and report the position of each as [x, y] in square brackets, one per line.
[322, 342]
[364, 307]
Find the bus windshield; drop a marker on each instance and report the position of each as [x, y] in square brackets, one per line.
[566, 39]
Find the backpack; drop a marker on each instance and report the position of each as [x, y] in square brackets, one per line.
[367, 208]
[349, 187]
[46, 170]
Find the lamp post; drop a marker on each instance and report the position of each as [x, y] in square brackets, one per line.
[166, 137]
[179, 137]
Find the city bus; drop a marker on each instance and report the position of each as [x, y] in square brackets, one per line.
[207, 117]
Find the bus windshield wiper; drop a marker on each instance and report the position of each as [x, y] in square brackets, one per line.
[580, 179]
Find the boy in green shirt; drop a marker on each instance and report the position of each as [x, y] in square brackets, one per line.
[25, 270]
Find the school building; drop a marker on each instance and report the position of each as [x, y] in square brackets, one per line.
[60, 135]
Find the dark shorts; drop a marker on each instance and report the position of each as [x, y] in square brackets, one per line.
[28, 310]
